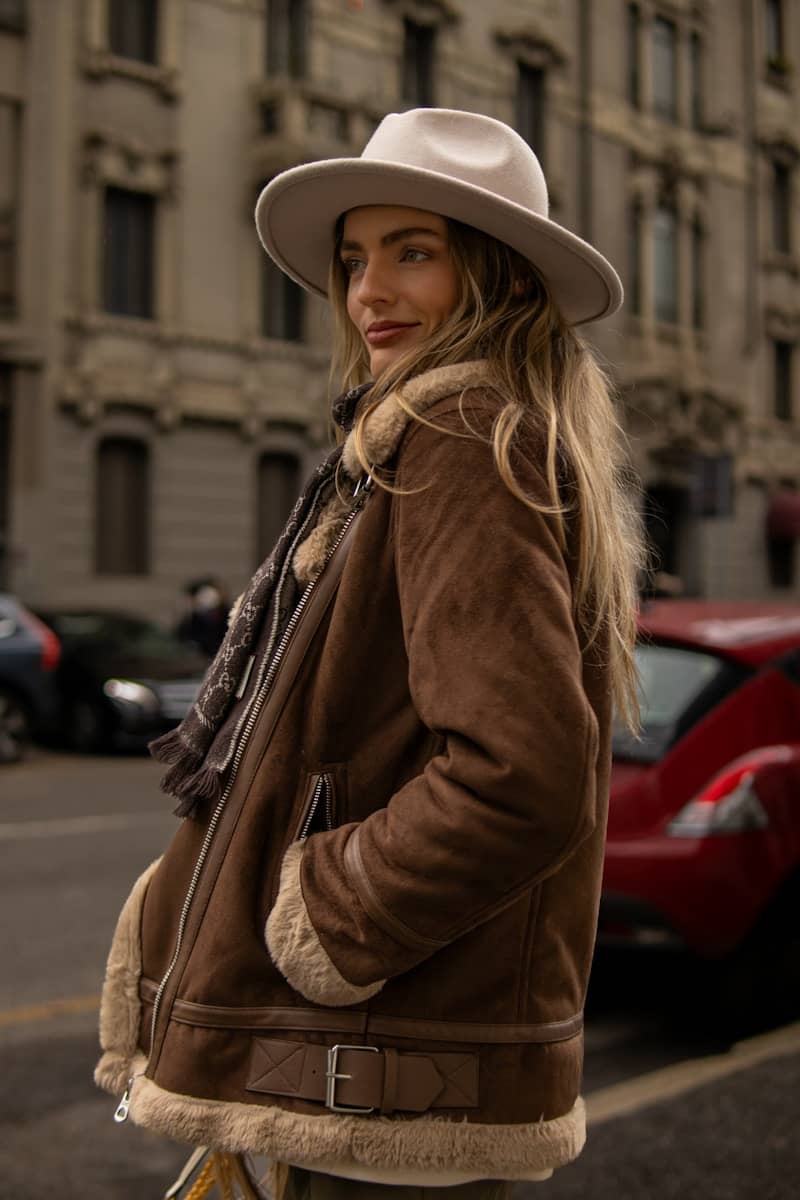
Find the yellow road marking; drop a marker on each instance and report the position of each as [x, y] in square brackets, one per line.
[28, 1013]
[632, 1094]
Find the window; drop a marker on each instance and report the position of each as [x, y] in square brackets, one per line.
[419, 52]
[530, 107]
[278, 488]
[781, 208]
[782, 379]
[635, 258]
[13, 15]
[9, 205]
[773, 30]
[282, 305]
[287, 38]
[665, 91]
[122, 507]
[634, 77]
[133, 29]
[128, 252]
[696, 80]
[5, 469]
[698, 274]
[780, 561]
[665, 235]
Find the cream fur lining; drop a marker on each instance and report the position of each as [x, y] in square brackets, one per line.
[296, 949]
[120, 1007]
[382, 433]
[430, 1144]
[386, 425]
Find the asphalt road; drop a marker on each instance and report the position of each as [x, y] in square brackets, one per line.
[75, 832]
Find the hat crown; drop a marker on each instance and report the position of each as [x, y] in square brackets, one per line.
[465, 146]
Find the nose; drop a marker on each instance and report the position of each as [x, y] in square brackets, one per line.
[373, 285]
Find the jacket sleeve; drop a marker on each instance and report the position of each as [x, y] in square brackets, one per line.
[495, 670]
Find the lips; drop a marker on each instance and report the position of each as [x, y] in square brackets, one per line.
[381, 332]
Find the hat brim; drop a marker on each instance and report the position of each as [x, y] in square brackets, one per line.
[297, 211]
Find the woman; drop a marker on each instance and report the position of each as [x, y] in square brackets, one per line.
[366, 951]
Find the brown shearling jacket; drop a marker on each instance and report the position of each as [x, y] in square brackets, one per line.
[409, 858]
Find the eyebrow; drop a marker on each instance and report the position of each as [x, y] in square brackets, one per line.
[396, 235]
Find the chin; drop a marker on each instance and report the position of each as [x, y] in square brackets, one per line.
[381, 360]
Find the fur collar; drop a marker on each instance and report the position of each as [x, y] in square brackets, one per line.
[383, 432]
[386, 424]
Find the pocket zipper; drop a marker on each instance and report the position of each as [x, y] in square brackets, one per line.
[322, 795]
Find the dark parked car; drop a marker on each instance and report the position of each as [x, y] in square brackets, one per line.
[703, 847]
[29, 653]
[122, 680]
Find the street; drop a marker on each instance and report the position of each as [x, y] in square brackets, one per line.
[671, 1109]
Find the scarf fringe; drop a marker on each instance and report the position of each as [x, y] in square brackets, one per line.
[171, 748]
[187, 778]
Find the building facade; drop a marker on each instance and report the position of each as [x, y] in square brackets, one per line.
[163, 389]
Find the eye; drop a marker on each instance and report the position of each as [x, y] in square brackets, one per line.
[352, 265]
[411, 254]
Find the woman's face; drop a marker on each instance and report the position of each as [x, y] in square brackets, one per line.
[402, 282]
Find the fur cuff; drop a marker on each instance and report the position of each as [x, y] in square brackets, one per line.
[296, 949]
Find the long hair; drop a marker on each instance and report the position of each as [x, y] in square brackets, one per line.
[552, 383]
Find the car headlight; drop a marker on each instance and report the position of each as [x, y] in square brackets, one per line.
[125, 691]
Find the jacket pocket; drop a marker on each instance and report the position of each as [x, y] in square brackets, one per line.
[319, 808]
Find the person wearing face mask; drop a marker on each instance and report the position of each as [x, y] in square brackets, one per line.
[365, 952]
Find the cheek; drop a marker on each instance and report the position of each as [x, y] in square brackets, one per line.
[447, 296]
[353, 308]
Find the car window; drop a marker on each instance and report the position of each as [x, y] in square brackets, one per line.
[118, 633]
[677, 687]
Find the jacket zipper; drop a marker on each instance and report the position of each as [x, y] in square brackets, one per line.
[121, 1112]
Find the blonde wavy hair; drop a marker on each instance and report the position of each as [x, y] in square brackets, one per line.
[553, 383]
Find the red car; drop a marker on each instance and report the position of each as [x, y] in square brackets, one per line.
[704, 824]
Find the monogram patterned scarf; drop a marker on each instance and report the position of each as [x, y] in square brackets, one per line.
[200, 749]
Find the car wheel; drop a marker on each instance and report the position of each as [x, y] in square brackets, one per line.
[86, 726]
[15, 727]
[759, 984]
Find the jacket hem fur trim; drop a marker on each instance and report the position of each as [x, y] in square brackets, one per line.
[295, 947]
[120, 1007]
[431, 1144]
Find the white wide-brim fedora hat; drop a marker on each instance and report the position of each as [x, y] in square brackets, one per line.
[457, 164]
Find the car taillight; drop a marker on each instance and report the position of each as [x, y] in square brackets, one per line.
[51, 646]
[729, 804]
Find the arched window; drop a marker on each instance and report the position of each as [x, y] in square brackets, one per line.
[13, 16]
[122, 507]
[133, 29]
[279, 485]
[634, 282]
[128, 252]
[287, 38]
[282, 304]
[665, 236]
[698, 255]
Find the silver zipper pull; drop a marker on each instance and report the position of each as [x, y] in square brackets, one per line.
[121, 1113]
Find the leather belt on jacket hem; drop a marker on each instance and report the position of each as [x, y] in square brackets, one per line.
[363, 1079]
[363, 1024]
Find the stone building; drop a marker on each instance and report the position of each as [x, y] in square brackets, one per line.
[163, 390]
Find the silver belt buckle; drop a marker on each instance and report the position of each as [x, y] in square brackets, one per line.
[332, 1075]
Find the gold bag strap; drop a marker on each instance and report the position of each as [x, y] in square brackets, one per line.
[214, 1173]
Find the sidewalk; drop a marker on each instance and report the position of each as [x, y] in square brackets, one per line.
[718, 1128]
